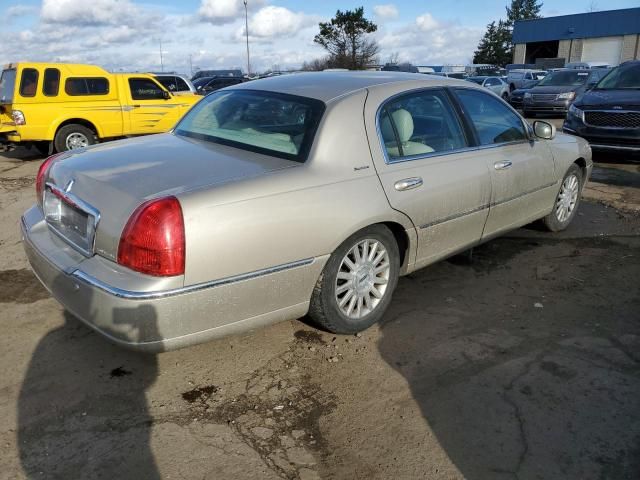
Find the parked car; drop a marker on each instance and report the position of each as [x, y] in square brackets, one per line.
[59, 106]
[206, 85]
[299, 194]
[558, 90]
[401, 67]
[177, 84]
[586, 65]
[495, 84]
[608, 115]
[516, 97]
[217, 73]
[458, 75]
[518, 77]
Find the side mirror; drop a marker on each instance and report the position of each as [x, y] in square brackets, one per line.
[544, 130]
[166, 95]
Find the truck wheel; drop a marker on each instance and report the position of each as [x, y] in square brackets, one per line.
[71, 137]
[355, 287]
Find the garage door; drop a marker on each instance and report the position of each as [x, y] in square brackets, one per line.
[605, 49]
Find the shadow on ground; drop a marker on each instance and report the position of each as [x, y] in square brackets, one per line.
[93, 420]
[524, 363]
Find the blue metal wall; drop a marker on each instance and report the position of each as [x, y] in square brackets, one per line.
[581, 25]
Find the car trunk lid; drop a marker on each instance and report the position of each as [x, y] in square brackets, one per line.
[111, 180]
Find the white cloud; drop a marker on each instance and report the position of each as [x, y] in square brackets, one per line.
[15, 11]
[220, 12]
[88, 12]
[272, 21]
[428, 40]
[387, 11]
[426, 22]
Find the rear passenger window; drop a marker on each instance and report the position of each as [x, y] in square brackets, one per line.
[419, 124]
[51, 83]
[86, 86]
[145, 89]
[29, 82]
[493, 121]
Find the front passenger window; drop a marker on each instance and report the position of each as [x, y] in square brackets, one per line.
[418, 124]
[494, 122]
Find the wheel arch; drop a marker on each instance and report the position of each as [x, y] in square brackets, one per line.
[78, 121]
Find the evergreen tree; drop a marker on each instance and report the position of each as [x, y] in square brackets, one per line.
[496, 46]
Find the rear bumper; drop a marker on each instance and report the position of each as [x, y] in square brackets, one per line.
[155, 321]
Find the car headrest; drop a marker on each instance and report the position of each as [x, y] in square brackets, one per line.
[404, 125]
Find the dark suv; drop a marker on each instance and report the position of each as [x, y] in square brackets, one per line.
[608, 116]
[555, 92]
[206, 85]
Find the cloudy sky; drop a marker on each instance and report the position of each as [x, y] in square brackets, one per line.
[126, 34]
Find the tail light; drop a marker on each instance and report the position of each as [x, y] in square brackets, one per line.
[153, 241]
[42, 175]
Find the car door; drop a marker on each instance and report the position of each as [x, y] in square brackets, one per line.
[421, 153]
[148, 108]
[522, 168]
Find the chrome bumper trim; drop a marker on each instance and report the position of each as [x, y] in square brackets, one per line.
[614, 147]
[136, 295]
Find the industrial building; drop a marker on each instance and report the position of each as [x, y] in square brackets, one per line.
[611, 36]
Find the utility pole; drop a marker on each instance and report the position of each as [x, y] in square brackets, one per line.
[161, 62]
[246, 29]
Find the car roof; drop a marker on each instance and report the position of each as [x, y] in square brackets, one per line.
[327, 86]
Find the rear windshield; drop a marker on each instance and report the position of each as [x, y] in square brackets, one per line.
[265, 122]
[565, 78]
[7, 85]
[623, 77]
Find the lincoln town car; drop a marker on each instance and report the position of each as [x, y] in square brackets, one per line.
[306, 194]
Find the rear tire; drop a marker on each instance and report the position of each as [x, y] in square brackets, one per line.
[566, 202]
[72, 137]
[356, 285]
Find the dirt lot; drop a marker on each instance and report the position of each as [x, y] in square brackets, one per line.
[520, 362]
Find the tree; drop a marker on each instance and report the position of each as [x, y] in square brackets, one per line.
[345, 39]
[494, 47]
[522, 10]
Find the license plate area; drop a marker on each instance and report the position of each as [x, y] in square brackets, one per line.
[71, 219]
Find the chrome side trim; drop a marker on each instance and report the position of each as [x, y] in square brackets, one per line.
[615, 147]
[455, 216]
[137, 295]
[485, 206]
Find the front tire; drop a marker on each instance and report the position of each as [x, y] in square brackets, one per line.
[567, 201]
[72, 137]
[356, 285]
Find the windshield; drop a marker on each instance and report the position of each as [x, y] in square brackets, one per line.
[623, 77]
[201, 81]
[7, 84]
[564, 78]
[265, 122]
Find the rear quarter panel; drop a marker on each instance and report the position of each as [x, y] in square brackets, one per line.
[292, 214]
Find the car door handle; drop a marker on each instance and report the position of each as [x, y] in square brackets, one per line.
[502, 165]
[408, 184]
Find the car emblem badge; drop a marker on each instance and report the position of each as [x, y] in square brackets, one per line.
[70, 183]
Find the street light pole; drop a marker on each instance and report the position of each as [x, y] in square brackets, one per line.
[161, 62]
[246, 29]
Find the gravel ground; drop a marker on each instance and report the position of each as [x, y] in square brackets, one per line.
[518, 361]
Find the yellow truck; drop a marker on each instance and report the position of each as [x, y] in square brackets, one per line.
[60, 106]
